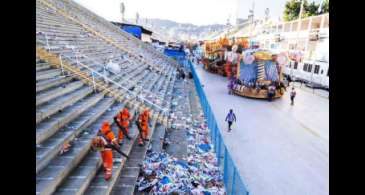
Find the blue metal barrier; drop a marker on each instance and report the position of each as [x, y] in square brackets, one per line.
[232, 180]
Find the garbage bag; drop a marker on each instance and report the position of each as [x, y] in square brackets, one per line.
[204, 147]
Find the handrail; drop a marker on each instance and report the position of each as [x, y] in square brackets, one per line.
[97, 33]
[117, 84]
[114, 28]
[93, 71]
[78, 53]
[54, 59]
[234, 184]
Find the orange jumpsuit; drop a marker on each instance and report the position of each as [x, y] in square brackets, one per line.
[123, 119]
[107, 154]
[143, 120]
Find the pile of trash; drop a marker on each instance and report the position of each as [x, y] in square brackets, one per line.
[198, 173]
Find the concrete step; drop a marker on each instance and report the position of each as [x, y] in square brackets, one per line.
[59, 168]
[128, 177]
[48, 95]
[50, 148]
[47, 128]
[60, 103]
[91, 176]
[43, 67]
[79, 178]
[47, 74]
[46, 84]
[160, 82]
[157, 138]
[41, 64]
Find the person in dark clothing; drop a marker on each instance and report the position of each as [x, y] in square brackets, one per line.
[183, 75]
[289, 80]
[190, 75]
[271, 92]
[293, 93]
[230, 118]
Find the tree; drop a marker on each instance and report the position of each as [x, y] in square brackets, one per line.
[292, 9]
[312, 9]
[325, 6]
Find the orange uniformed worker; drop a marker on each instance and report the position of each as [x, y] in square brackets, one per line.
[143, 120]
[107, 137]
[122, 120]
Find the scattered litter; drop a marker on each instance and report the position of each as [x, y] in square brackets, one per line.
[65, 148]
[198, 173]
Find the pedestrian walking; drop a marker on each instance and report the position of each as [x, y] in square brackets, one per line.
[293, 93]
[230, 86]
[230, 118]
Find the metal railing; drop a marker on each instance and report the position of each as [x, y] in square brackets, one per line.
[60, 6]
[95, 73]
[231, 177]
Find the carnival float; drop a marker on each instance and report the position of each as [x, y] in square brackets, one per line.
[259, 75]
[222, 56]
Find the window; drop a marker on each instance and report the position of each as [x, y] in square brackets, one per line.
[295, 65]
[321, 71]
[310, 68]
[305, 67]
[316, 69]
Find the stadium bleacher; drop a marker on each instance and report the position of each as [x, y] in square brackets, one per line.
[70, 107]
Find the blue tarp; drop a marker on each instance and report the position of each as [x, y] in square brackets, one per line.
[178, 55]
[134, 30]
[174, 53]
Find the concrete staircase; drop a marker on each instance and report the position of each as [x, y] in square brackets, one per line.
[65, 110]
[70, 108]
[74, 116]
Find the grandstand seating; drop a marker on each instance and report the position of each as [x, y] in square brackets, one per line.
[70, 109]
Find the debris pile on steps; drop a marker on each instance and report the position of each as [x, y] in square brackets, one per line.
[197, 173]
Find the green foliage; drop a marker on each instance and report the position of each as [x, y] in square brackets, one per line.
[325, 6]
[292, 9]
[312, 9]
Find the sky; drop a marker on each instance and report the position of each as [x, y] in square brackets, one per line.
[198, 12]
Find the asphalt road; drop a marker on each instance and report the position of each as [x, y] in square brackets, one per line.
[279, 149]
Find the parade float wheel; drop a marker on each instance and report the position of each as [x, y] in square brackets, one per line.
[253, 93]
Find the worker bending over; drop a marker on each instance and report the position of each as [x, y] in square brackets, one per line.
[105, 141]
[122, 120]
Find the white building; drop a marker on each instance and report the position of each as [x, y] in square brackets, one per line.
[307, 43]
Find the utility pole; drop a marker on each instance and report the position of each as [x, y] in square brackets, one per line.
[251, 16]
[298, 27]
[267, 14]
[137, 17]
[122, 10]
[299, 22]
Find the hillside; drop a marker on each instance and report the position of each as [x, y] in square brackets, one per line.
[181, 31]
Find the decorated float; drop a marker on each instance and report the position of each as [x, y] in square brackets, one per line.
[222, 56]
[214, 55]
[260, 75]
